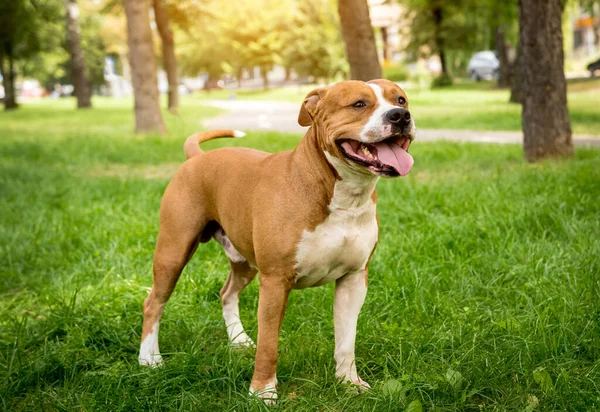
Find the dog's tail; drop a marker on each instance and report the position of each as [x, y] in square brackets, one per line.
[191, 146]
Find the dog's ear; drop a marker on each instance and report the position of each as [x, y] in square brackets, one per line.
[305, 117]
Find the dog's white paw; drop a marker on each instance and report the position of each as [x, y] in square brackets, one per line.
[152, 360]
[268, 394]
[361, 386]
[242, 341]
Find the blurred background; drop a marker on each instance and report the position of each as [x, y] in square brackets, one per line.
[257, 44]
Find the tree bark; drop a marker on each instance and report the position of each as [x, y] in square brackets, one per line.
[81, 84]
[360, 40]
[168, 52]
[8, 75]
[546, 126]
[504, 69]
[143, 67]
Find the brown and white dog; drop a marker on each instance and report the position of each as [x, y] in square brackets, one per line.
[301, 218]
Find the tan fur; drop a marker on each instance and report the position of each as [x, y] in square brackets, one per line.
[264, 203]
[191, 148]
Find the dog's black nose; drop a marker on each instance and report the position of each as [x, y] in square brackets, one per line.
[398, 116]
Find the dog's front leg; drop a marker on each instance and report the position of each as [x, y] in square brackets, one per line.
[350, 292]
[272, 301]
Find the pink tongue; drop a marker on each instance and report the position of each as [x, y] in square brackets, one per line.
[395, 156]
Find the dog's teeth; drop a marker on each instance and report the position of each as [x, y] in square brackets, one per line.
[366, 151]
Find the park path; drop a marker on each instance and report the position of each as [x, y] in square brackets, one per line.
[278, 116]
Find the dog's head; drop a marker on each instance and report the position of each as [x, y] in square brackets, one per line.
[366, 125]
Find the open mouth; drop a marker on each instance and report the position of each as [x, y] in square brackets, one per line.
[386, 158]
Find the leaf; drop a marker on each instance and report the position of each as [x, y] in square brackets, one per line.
[472, 392]
[454, 378]
[391, 387]
[414, 406]
[543, 378]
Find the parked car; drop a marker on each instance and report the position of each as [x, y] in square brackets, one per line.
[593, 66]
[483, 65]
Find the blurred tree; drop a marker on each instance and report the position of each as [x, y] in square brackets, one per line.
[27, 27]
[242, 35]
[161, 16]
[360, 41]
[254, 31]
[439, 27]
[515, 76]
[143, 67]
[312, 44]
[546, 126]
[503, 19]
[81, 83]
[196, 22]
[455, 30]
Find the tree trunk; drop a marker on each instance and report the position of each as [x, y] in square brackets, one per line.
[81, 83]
[168, 50]
[504, 69]
[240, 74]
[264, 74]
[8, 75]
[360, 41]
[387, 55]
[143, 67]
[439, 40]
[546, 127]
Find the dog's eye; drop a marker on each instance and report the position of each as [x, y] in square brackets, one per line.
[359, 104]
[401, 101]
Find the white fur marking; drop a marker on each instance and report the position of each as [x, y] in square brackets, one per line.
[235, 329]
[238, 133]
[343, 242]
[375, 124]
[350, 292]
[268, 394]
[413, 129]
[149, 352]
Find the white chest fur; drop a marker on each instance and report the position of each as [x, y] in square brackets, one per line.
[343, 242]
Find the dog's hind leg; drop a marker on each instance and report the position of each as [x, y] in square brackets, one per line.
[179, 235]
[240, 275]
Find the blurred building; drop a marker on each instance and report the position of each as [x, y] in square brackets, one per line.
[585, 24]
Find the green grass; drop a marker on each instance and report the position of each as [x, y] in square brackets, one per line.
[465, 106]
[484, 291]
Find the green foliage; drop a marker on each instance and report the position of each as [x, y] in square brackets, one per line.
[53, 64]
[466, 26]
[242, 35]
[486, 265]
[93, 48]
[303, 36]
[414, 406]
[38, 32]
[312, 41]
[443, 80]
[543, 378]
[30, 26]
[396, 72]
